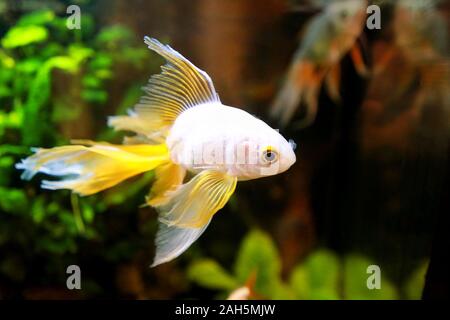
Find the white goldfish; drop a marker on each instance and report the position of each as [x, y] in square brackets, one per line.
[180, 127]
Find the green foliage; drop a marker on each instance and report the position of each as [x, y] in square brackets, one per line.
[37, 18]
[13, 200]
[317, 277]
[258, 255]
[40, 45]
[113, 35]
[39, 94]
[211, 275]
[415, 283]
[257, 260]
[23, 35]
[48, 73]
[322, 275]
[355, 278]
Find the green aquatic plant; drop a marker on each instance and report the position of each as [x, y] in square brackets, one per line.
[412, 289]
[257, 258]
[322, 275]
[49, 76]
[40, 45]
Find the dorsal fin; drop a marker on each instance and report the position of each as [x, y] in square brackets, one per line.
[180, 86]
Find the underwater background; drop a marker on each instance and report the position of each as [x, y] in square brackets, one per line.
[370, 186]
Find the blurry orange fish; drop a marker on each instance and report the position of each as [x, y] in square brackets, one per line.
[328, 37]
[180, 126]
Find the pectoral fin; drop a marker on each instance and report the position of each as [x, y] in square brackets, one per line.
[188, 211]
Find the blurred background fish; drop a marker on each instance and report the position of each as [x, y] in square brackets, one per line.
[329, 36]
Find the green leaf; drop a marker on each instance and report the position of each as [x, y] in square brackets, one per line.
[6, 75]
[6, 61]
[355, 281]
[68, 219]
[101, 61]
[88, 213]
[50, 50]
[323, 267]
[38, 210]
[56, 246]
[282, 291]
[65, 63]
[80, 53]
[318, 277]
[414, 285]
[103, 74]
[114, 34]
[12, 149]
[30, 65]
[94, 95]
[11, 119]
[38, 96]
[258, 255]
[23, 35]
[90, 81]
[5, 91]
[13, 200]
[299, 281]
[36, 18]
[6, 162]
[324, 270]
[209, 274]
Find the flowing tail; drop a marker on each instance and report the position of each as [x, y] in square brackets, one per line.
[185, 209]
[89, 169]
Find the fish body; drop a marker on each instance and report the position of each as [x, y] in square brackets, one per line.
[327, 38]
[179, 126]
[233, 141]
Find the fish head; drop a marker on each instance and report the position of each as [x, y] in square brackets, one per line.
[346, 16]
[267, 152]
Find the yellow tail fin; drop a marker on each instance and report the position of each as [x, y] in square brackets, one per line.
[89, 169]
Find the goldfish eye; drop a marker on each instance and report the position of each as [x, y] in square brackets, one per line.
[269, 155]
